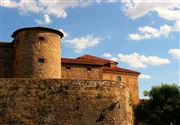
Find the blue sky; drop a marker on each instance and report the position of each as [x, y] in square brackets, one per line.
[142, 36]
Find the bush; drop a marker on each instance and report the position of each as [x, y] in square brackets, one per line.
[162, 107]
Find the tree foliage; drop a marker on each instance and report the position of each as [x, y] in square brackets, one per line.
[162, 107]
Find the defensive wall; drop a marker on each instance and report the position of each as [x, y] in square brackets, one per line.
[63, 102]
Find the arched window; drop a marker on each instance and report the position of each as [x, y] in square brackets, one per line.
[118, 78]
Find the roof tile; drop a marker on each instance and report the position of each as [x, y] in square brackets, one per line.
[97, 59]
[106, 69]
[80, 61]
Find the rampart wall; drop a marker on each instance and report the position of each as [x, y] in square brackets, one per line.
[63, 102]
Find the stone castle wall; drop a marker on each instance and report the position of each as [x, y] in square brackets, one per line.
[81, 72]
[37, 54]
[63, 102]
[6, 61]
[130, 80]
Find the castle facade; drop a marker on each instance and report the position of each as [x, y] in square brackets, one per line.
[35, 52]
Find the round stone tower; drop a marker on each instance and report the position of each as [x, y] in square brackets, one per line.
[37, 53]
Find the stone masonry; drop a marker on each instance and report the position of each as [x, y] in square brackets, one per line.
[34, 53]
[63, 102]
[38, 87]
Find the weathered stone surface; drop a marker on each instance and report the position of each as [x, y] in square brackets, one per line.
[63, 102]
[37, 54]
[80, 72]
[131, 80]
[6, 62]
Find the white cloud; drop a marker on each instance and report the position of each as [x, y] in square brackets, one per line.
[137, 36]
[168, 10]
[50, 7]
[57, 7]
[177, 26]
[175, 53]
[114, 59]
[66, 34]
[165, 9]
[107, 1]
[28, 6]
[107, 55]
[8, 3]
[144, 76]
[148, 32]
[25, 6]
[46, 20]
[136, 60]
[82, 43]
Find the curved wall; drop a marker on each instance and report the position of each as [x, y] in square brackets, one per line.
[64, 102]
[37, 53]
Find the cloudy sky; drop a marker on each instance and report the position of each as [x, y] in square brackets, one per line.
[142, 36]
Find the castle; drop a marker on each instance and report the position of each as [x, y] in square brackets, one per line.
[35, 53]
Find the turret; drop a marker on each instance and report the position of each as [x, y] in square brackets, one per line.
[37, 53]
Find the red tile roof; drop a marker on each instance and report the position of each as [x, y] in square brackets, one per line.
[97, 59]
[92, 60]
[117, 69]
[80, 61]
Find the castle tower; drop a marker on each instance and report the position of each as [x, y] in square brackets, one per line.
[37, 53]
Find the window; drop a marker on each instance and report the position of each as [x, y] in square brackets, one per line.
[41, 38]
[88, 69]
[41, 60]
[118, 78]
[68, 67]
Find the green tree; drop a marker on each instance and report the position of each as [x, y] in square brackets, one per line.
[162, 107]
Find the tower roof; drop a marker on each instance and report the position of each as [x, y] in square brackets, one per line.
[38, 28]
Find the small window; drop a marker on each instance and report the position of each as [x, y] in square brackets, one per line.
[68, 67]
[88, 69]
[118, 78]
[41, 38]
[41, 60]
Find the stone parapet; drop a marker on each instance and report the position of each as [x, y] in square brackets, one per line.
[63, 102]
